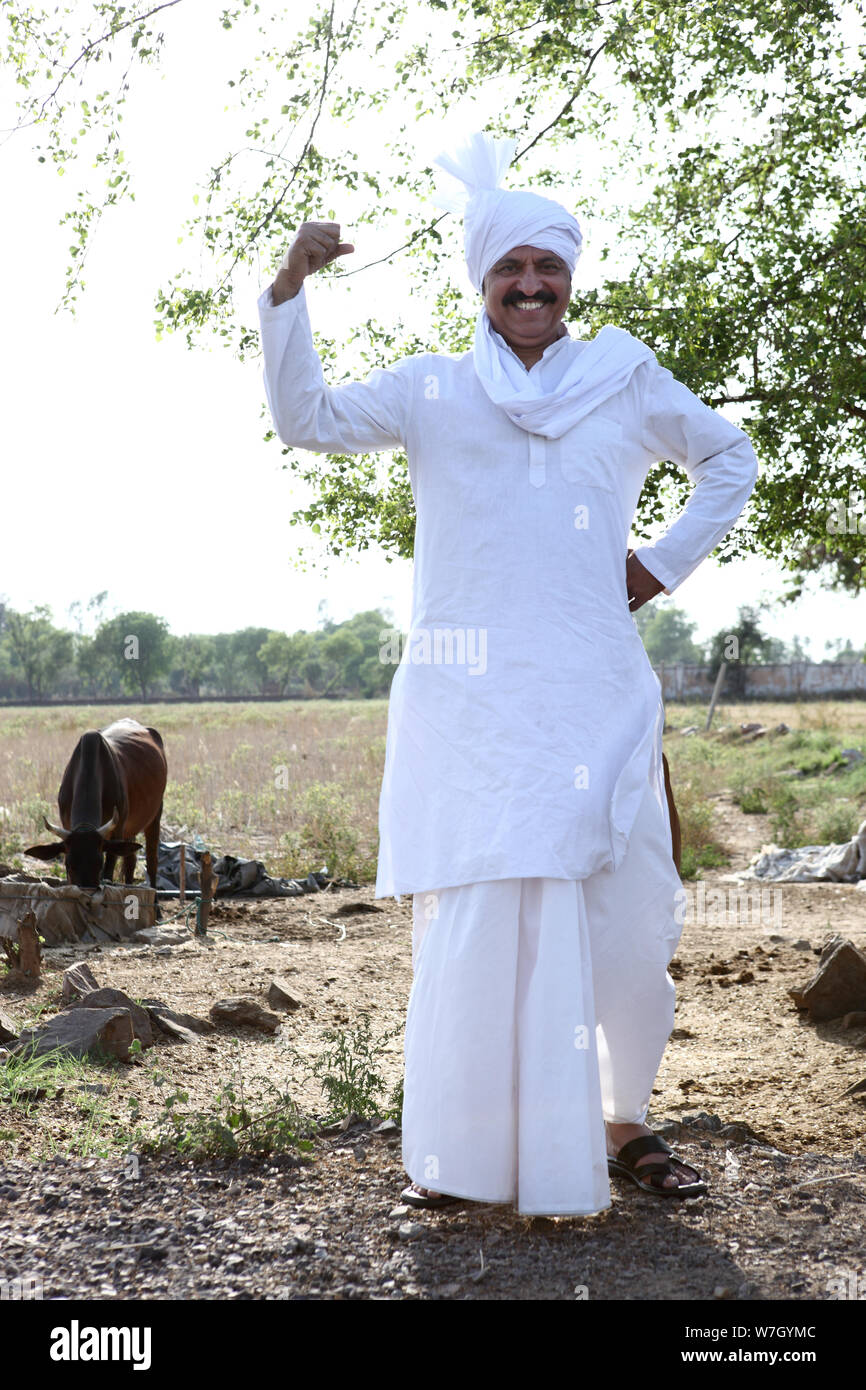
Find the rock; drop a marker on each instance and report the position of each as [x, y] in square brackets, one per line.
[838, 986]
[802, 944]
[691, 729]
[115, 998]
[830, 945]
[241, 1010]
[281, 996]
[855, 1020]
[667, 1129]
[184, 1027]
[8, 1028]
[709, 1124]
[851, 756]
[351, 909]
[163, 936]
[80, 1031]
[386, 1127]
[77, 980]
[739, 1133]
[397, 1212]
[781, 729]
[410, 1230]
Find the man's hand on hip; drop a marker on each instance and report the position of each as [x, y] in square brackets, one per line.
[316, 244]
[640, 584]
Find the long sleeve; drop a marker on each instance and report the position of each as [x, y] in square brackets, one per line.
[360, 416]
[718, 458]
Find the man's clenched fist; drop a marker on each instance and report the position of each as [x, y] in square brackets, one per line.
[315, 244]
[641, 586]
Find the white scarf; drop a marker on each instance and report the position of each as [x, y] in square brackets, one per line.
[586, 374]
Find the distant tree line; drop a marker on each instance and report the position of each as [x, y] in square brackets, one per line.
[668, 635]
[135, 653]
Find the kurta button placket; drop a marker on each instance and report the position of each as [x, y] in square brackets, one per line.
[537, 455]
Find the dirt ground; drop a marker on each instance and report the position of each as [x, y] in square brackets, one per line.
[785, 1214]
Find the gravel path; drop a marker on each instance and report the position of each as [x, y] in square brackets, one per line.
[333, 1229]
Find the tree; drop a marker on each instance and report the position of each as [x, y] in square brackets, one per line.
[343, 652]
[284, 656]
[741, 645]
[225, 663]
[666, 633]
[135, 648]
[739, 219]
[37, 648]
[189, 660]
[253, 671]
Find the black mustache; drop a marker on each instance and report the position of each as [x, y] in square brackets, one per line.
[515, 297]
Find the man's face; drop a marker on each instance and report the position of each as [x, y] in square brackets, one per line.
[526, 294]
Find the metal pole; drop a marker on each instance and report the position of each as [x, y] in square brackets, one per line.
[717, 689]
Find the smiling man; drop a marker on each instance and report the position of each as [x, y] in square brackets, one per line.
[524, 807]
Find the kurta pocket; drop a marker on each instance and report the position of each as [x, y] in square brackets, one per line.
[589, 454]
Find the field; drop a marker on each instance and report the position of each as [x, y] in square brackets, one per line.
[238, 1196]
[297, 784]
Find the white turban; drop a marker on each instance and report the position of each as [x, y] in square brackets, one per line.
[495, 219]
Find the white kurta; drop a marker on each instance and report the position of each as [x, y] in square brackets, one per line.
[525, 718]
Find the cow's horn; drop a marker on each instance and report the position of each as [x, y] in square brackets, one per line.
[109, 825]
[57, 829]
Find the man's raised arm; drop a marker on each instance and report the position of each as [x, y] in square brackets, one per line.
[306, 412]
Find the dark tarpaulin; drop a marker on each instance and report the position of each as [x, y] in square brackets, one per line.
[235, 875]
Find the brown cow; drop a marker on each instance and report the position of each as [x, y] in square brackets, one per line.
[112, 790]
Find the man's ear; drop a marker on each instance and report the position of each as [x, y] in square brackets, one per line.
[46, 851]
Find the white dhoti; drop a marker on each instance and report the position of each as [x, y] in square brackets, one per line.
[540, 1008]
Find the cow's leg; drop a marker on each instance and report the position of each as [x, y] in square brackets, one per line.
[676, 839]
[151, 847]
[129, 867]
[151, 853]
[108, 870]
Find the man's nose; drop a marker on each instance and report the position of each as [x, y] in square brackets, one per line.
[529, 283]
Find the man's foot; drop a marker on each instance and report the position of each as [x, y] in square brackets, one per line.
[416, 1196]
[621, 1134]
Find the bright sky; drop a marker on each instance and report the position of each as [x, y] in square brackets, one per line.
[140, 467]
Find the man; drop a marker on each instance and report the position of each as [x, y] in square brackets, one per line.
[523, 803]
